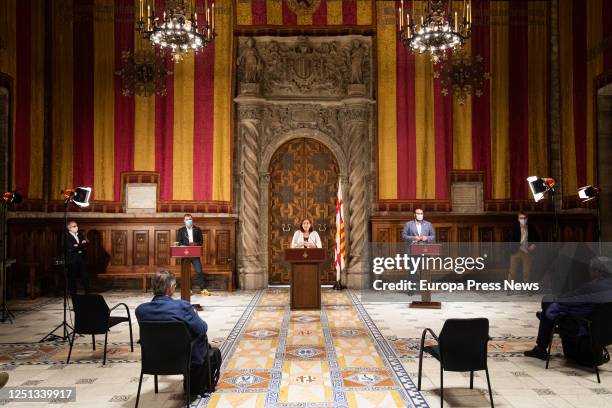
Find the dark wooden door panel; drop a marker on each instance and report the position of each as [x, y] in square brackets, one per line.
[303, 184]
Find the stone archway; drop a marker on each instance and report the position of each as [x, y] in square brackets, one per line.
[302, 102]
[303, 184]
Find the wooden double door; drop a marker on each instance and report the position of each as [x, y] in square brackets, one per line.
[303, 184]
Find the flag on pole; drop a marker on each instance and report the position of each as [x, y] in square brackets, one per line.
[340, 240]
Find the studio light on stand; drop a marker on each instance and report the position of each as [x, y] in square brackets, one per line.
[6, 200]
[78, 196]
[589, 193]
[539, 186]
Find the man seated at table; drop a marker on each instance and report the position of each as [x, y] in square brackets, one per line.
[578, 303]
[163, 307]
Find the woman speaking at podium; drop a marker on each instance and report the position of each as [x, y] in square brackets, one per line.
[306, 237]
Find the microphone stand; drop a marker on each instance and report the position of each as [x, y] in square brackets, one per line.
[66, 328]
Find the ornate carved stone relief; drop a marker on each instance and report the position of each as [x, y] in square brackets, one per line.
[305, 67]
[317, 87]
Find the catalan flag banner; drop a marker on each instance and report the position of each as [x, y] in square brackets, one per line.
[284, 14]
[501, 134]
[585, 52]
[98, 133]
[340, 238]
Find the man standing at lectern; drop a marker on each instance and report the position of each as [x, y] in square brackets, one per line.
[418, 230]
[192, 235]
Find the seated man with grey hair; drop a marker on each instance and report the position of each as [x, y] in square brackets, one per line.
[163, 307]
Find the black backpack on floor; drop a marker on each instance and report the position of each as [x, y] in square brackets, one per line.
[213, 373]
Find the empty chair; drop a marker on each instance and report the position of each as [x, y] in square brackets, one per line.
[92, 316]
[598, 330]
[462, 346]
[166, 350]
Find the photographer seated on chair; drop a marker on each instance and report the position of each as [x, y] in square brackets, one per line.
[578, 304]
[163, 307]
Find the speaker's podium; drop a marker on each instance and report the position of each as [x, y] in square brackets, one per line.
[425, 249]
[183, 253]
[305, 278]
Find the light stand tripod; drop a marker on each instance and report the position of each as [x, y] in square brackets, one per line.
[6, 313]
[66, 328]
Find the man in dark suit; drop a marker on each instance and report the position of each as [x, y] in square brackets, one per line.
[192, 235]
[163, 307]
[523, 235]
[75, 245]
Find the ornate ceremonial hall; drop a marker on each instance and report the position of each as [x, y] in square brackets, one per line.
[306, 203]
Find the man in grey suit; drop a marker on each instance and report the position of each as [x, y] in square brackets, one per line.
[418, 230]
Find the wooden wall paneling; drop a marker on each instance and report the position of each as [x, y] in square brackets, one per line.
[222, 252]
[162, 248]
[119, 247]
[140, 254]
[206, 247]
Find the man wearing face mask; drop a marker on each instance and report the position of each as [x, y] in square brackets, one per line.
[192, 235]
[524, 235]
[418, 230]
[75, 245]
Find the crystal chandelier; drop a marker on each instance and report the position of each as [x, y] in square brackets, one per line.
[176, 32]
[438, 30]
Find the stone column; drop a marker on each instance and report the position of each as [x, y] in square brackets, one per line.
[250, 267]
[355, 119]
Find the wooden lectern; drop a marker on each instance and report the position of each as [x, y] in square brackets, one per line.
[431, 250]
[184, 252]
[305, 280]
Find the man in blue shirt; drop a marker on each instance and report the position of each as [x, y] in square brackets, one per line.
[163, 307]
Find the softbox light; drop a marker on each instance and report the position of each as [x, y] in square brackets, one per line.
[588, 193]
[79, 196]
[12, 197]
[539, 186]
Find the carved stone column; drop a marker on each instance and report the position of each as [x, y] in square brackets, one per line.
[250, 269]
[355, 119]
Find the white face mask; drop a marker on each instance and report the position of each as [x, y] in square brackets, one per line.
[419, 217]
[188, 223]
[523, 221]
[74, 230]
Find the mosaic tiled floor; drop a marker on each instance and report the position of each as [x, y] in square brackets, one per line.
[352, 353]
[324, 358]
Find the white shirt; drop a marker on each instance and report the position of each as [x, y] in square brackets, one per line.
[298, 239]
[418, 225]
[190, 234]
[524, 238]
[76, 236]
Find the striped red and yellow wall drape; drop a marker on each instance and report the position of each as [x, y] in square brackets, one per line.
[98, 133]
[585, 52]
[423, 135]
[22, 58]
[290, 13]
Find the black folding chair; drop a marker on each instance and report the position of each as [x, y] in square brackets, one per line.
[462, 346]
[598, 327]
[166, 348]
[92, 316]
